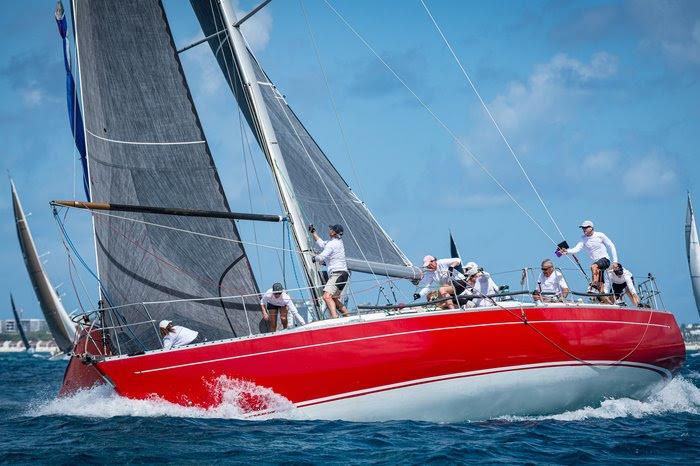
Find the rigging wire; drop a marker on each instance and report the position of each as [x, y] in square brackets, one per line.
[439, 121]
[493, 120]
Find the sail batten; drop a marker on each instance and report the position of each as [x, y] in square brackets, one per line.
[321, 194]
[693, 251]
[146, 147]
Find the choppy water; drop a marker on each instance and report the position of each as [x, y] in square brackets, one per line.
[98, 426]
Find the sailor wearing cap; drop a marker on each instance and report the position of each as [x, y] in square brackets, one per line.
[441, 273]
[175, 336]
[333, 255]
[276, 300]
[621, 282]
[595, 243]
[479, 284]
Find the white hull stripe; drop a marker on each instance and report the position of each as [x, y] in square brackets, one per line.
[659, 370]
[388, 335]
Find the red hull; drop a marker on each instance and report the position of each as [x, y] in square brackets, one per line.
[312, 365]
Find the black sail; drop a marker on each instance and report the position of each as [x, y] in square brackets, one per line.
[322, 194]
[146, 146]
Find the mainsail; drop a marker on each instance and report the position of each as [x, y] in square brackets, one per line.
[319, 191]
[146, 146]
[693, 250]
[60, 325]
[18, 321]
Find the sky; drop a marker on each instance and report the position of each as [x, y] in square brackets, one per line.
[598, 100]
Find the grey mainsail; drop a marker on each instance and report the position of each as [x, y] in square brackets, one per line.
[320, 192]
[146, 146]
[61, 327]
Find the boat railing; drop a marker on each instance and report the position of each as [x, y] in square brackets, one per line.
[117, 335]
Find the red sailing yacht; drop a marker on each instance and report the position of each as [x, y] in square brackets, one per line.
[172, 251]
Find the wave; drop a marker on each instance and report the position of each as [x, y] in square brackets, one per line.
[679, 396]
[238, 398]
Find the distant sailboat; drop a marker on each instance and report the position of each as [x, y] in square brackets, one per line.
[61, 327]
[20, 329]
[693, 250]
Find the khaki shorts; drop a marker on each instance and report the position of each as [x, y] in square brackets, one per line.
[335, 284]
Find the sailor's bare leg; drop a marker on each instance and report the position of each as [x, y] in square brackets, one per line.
[340, 306]
[330, 304]
[273, 319]
[595, 277]
[283, 316]
[446, 292]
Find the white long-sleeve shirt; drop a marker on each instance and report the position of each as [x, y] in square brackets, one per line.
[626, 277]
[555, 283]
[283, 300]
[180, 336]
[439, 276]
[595, 246]
[333, 255]
[483, 286]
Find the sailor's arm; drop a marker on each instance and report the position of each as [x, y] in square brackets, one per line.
[327, 249]
[575, 249]
[167, 343]
[611, 246]
[263, 306]
[562, 284]
[292, 309]
[631, 290]
[424, 284]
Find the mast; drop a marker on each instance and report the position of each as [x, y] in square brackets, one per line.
[271, 149]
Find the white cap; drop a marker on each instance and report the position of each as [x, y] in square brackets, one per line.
[586, 224]
[471, 271]
[471, 265]
[427, 260]
[164, 323]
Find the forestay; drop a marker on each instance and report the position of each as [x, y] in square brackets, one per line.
[321, 193]
[146, 146]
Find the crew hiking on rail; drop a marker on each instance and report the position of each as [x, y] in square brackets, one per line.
[333, 256]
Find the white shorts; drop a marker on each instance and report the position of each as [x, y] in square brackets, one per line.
[336, 282]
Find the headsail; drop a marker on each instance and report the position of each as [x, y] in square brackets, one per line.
[693, 250]
[145, 146]
[18, 321]
[322, 195]
[60, 325]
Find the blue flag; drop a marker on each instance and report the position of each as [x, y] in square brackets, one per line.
[74, 114]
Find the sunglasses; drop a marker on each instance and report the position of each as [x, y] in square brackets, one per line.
[546, 268]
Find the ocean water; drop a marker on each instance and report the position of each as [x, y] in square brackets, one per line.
[99, 427]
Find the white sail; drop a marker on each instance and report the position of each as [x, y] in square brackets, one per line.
[693, 250]
[61, 327]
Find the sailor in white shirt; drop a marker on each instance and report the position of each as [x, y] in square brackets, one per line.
[175, 336]
[551, 285]
[441, 273]
[621, 281]
[479, 284]
[333, 256]
[275, 301]
[595, 243]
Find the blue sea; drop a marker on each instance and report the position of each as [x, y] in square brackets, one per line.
[99, 427]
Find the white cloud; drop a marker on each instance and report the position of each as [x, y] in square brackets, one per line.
[256, 29]
[528, 111]
[686, 50]
[649, 176]
[600, 162]
[32, 96]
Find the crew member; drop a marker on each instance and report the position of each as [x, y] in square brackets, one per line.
[479, 285]
[276, 300]
[175, 336]
[441, 273]
[595, 243]
[333, 256]
[551, 285]
[621, 281]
